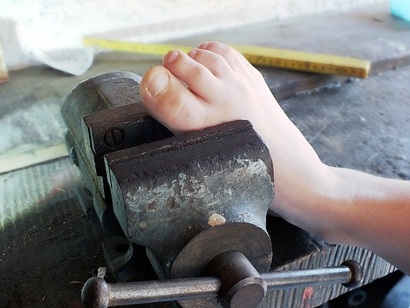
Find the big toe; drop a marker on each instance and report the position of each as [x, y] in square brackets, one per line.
[168, 100]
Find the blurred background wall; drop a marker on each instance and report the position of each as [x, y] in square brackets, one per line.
[28, 27]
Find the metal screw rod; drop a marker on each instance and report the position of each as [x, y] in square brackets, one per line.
[97, 293]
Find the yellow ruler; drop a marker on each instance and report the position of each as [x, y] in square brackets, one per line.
[273, 57]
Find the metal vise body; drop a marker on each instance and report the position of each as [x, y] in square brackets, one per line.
[102, 116]
[192, 206]
[186, 198]
[194, 196]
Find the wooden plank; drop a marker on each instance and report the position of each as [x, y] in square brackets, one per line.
[369, 32]
[32, 157]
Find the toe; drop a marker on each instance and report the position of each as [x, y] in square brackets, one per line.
[168, 100]
[214, 62]
[202, 89]
[235, 59]
[195, 75]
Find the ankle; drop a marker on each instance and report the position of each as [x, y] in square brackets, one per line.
[331, 203]
[310, 202]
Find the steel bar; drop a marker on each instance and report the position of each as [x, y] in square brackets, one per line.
[98, 293]
[309, 277]
[166, 290]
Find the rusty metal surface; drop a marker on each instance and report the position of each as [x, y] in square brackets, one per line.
[168, 192]
[102, 113]
[242, 285]
[219, 178]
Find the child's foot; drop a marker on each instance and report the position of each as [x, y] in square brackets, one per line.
[210, 85]
[215, 84]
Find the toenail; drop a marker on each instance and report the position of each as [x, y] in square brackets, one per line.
[193, 53]
[157, 82]
[171, 56]
[204, 45]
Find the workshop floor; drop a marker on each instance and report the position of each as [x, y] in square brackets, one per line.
[48, 248]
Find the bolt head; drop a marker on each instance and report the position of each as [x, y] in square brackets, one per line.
[114, 137]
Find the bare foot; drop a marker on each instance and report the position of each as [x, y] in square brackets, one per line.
[215, 84]
[218, 85]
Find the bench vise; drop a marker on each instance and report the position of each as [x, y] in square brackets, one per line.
[189, 209]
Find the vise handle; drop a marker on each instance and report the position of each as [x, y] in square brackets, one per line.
[97, 293]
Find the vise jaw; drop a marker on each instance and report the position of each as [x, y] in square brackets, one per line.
[189, 199]
[193, 196]
[102, 115]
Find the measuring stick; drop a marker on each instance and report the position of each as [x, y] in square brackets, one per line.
[264, 56]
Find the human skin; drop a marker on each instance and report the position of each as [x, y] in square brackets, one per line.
[214, 83]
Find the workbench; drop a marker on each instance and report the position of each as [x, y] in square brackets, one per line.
[48, 247]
